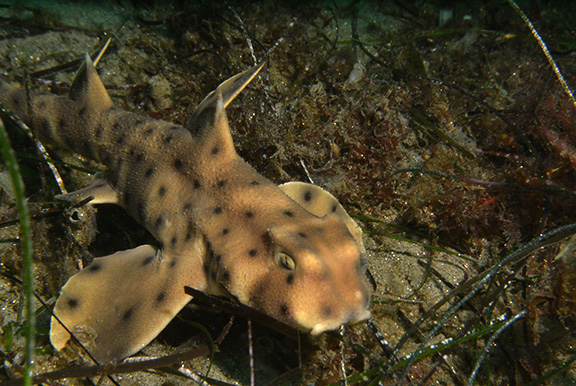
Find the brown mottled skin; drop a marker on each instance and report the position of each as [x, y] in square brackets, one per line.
[290, 252]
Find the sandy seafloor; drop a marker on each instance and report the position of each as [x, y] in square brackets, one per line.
[440, 125]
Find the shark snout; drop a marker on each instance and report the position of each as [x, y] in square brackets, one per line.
[329, 325]
[347, 315]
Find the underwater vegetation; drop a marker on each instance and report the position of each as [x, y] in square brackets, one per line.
[441, 127]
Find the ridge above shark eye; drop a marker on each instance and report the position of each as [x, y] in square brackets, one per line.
[286, 261]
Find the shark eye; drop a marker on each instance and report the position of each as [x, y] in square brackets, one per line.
[286, 261]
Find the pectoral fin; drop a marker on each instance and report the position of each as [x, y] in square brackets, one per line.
[120, 302]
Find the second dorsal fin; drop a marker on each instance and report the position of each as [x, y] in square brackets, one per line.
[88, 88]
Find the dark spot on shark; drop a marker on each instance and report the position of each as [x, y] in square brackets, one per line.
[46, 126]
[168, 139]
[326, 311]
[94, 267]
[334, 207]
[302, 234]
[72, 303]
[148, 132]
[253, 252]
[220, 184]
[225, 277]
[148, 173]
[290, 279]
[62, 124]
[82, 112]
[162, 191]
[217, 210]
[147, 260]
[197, 184]
[160, 297]
[178, 163]
[126, 316]
[307, 195]
[158, 222]
[288, 213]
[284, 310]
[173, 241]
[249, 214]
[225, 231]
[215, 150]
[98, 131]
[254, 183]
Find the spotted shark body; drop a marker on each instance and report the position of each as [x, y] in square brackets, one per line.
[289, 251]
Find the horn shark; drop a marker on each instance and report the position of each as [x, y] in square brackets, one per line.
[290, 251]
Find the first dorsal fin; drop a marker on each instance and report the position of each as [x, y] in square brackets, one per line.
[227, 91]
[88, 88]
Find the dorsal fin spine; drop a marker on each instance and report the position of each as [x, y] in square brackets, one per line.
[202, 117]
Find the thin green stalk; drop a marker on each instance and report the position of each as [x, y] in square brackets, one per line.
[564, 366]
[489, 345]
[434, 349]
[26, 242]
[545, 50]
